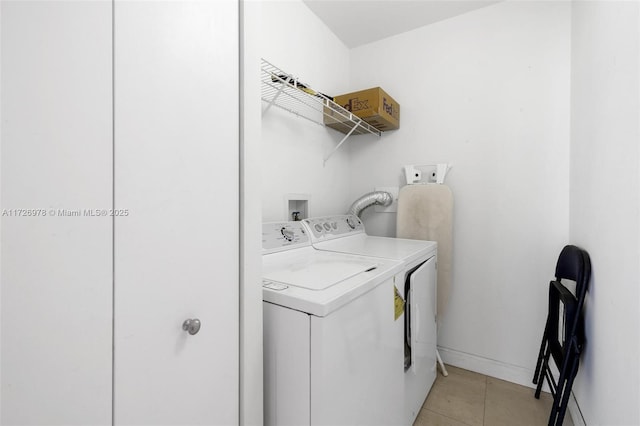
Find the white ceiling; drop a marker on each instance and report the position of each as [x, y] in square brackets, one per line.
[358, 22]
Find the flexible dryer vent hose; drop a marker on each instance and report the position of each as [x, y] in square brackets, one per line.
[382, 198]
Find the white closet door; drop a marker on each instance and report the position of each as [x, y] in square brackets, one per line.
[56, 165]
[176, 182]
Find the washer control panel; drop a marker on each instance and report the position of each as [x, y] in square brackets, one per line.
[329, 227]
[278, 236]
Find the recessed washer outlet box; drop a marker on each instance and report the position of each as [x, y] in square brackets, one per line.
[296, 206]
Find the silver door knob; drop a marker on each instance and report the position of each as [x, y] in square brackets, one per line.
[192, 326]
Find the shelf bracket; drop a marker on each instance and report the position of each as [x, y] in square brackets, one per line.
[341, 142]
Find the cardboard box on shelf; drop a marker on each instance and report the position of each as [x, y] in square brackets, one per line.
[340, 121]
[374, 106]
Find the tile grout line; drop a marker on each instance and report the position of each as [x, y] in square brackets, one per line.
[498, 386]
[457, 419]
[448, 417]
[484, 406]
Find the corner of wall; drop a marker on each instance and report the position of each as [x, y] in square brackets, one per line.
[605, 128]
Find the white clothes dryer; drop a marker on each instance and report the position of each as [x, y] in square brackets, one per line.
[331, 342]
[346, 234]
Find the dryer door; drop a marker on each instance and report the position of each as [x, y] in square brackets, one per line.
[422, 316]
[420, 366]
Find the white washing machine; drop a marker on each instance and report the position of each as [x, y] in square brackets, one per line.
[346, 234]
[331, 338]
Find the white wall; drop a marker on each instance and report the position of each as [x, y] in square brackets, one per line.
[605, 203]
[489, 92]
[296, 41]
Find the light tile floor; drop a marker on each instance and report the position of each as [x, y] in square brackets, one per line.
[465, 398]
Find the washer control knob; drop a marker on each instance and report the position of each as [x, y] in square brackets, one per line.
[327, 226]
[318, 227]
[288, 234]
[334, 225]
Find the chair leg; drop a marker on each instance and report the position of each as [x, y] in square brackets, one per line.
[567, 389]
[543, 368]
[567, 368]
[543, 346]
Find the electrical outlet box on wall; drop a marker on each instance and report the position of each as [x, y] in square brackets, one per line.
[393, 207]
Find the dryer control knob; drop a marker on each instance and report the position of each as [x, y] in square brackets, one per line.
[351, 222]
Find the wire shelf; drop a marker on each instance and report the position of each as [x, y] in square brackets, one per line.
[283, 90]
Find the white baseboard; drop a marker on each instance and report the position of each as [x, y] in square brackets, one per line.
[501, 370]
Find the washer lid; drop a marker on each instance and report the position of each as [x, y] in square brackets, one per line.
[320, 282]
[314, 270]
[384, 247]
